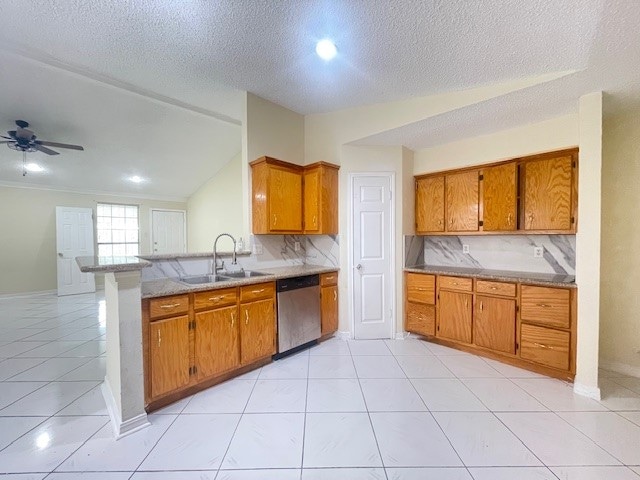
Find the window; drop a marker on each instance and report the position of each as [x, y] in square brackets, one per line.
[117, 230]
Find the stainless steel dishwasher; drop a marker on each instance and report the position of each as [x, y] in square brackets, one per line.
[298, 312]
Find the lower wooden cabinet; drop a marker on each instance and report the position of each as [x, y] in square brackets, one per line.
[456, 310]
[169, 354]
[257, 330]
[494, 325]
[529, 326]
[217, 341]
[328, 303]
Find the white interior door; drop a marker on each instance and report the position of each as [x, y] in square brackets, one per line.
[74, 238]
[168, 233]
[371, 254]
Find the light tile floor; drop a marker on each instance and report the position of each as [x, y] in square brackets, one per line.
[357, 410]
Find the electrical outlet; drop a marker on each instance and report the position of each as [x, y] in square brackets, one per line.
[465, 248]
[538, 252]
[257, 249]
[296, 246]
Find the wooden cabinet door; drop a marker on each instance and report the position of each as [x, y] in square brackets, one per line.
[420, 319]
[169, 354]
[217, 342]
[257, 330]
[548, 186]
[285, 200]
[499, 197]
[430, 204]
[462, 201]
[312, 200]
[421, 288]
[456, 311]
[494, 324]
[329, 309]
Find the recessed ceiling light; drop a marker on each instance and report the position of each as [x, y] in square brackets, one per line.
[136, 179]
[326, 49]
[33, 167]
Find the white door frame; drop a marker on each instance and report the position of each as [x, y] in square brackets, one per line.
[392, 249]
[184, 229]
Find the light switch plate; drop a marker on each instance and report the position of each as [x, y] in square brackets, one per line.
[296, 246]
[538, 252]
[257, 249]
[465, 248]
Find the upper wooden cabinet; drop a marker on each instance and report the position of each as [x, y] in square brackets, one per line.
[430, 204]
[536, 194]
[289, 198]
[548, 193]
[320, 206]
[462, 201]
[500, 197]
[277, 196]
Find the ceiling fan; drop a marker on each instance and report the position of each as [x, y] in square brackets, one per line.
[24, 140]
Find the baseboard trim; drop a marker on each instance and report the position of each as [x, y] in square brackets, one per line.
[619, 367]
[121, 428]
[28, 294]
[587, 391]
[343, 335]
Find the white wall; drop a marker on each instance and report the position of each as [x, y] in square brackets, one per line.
[28, 236]
[216, 207]
[619, 262]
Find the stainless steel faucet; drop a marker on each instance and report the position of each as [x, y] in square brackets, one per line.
[214, 267]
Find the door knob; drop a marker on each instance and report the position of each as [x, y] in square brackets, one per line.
[359, 267]
[60, 255]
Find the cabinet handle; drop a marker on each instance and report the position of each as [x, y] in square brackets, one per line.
[440, 222]
[159, 338]
[466, 303]
[451, 222]
[543, 305]
[542, 345]
[494, 288]
[455, 283]
[421, 289]
[314, 220]
[335, 295]
[481, 306]
[329, 279]
[509, 219]
[275, 219]
[246, 317]
[233, 319]
[170, 305]
[257, 291]
[215, 299]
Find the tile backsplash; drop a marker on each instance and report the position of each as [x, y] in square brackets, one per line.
[495, 252]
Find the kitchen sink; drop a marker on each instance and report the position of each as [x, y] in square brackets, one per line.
[200, 279]
[242, 274]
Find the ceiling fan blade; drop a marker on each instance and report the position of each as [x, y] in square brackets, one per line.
[46, 150]
[8, 138]
[59, 145]
[8, 141]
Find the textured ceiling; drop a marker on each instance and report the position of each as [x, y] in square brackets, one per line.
[143, 84]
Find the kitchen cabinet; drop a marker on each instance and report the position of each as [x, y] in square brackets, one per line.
[529, 326]
[420, 314]
[289, 198]
[217, 341]
[257, 322]
[276, 196]
[169, 354]
[328, 303]
[499, 197]
[548, 193]
[430, 204]
[535, 194]
[462, 201]
[320, 187]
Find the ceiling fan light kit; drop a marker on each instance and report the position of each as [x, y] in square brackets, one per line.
[24, 140]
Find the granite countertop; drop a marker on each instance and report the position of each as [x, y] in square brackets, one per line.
[168, 286]
[544, 279]
[111, 264]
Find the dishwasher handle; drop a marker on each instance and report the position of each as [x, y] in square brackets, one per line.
[295, 283]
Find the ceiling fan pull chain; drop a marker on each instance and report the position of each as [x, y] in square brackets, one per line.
[24, 164]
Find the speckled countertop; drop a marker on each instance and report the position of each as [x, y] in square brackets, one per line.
[168, 286]
[544, 279]
[111, 264]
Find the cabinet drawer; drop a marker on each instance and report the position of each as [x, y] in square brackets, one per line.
[421, 319]
[215, 298]
[327, 279]
[496, 288]
[421, 288]
[257, 291]
[545, 345]
[161, 307]
[456, 283]
[546, 306]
